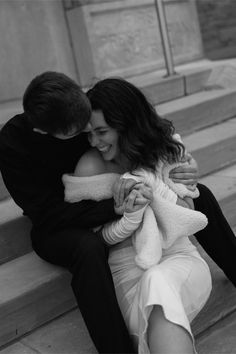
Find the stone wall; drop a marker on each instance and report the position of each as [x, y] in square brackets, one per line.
[218, 27]
[89, 38]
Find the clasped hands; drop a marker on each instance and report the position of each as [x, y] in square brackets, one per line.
[130, 196]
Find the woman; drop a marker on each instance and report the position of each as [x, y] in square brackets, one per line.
[128, 136]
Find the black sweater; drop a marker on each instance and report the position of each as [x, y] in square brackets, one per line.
[32, 165]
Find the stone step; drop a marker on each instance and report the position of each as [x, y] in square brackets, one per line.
[216, 307]
[66, 334]
[220, 338]
[213, 147]
[189, 78]
[14, 232]
[199, 110]
[32, 293]
[160, 89]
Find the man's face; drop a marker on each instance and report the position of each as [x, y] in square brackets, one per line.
[71, 134]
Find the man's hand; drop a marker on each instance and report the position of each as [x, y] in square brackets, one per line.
[186, 174]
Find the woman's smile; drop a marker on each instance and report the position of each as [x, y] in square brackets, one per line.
[103, 137]
[104, 148]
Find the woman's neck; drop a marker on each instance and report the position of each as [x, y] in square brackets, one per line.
[119, 165]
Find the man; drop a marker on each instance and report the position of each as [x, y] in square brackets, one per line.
[36, 149]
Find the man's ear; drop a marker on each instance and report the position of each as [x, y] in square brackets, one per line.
[36, 130]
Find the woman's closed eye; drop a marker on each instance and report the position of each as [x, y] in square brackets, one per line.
[97, 133]
[95, 136]
[101, 132]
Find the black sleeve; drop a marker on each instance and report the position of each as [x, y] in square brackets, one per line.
[39, 200]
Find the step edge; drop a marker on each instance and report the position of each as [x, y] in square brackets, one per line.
[193, 100]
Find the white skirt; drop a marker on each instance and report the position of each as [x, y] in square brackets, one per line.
[180, 284]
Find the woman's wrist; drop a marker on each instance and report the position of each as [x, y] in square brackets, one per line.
[135, 216]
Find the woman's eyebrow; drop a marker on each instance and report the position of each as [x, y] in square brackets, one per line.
[101, 127]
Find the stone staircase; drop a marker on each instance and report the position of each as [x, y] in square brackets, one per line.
[202, 106]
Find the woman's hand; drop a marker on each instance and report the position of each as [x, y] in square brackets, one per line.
[139, 196]
[186, 174]
[121, 190]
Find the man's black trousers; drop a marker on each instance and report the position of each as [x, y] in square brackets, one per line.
[217, 239]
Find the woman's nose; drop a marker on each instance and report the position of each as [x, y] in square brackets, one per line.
[93, 140]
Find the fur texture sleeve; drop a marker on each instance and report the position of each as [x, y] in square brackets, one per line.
[97, 187]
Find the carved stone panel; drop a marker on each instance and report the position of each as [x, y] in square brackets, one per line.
[123, 37]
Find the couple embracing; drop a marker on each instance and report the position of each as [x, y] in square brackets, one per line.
[97, 174]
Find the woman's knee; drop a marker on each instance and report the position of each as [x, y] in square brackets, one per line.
[165, 336]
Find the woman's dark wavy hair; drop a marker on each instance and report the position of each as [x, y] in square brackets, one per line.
[144, 137]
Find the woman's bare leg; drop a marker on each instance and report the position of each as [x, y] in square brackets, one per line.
[165, 337]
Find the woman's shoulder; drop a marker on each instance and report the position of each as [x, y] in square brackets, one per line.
[90, 164]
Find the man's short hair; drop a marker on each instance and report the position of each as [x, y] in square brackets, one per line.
[55, 103]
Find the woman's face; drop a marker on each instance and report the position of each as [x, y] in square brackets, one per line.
[103, 137]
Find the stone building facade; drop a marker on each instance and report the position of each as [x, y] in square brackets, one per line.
[90, 39]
